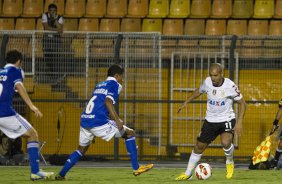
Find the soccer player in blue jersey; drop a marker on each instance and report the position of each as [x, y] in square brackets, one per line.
[12, 124]
[95, 121]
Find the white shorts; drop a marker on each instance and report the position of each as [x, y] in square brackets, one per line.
[106, 132]
[14, 126]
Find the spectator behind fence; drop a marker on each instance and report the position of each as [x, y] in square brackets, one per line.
[51, 44]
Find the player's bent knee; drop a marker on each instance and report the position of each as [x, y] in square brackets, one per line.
[83, 149]
[31, 134]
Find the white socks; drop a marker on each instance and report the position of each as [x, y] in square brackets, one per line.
[193, 160]
[229, 154]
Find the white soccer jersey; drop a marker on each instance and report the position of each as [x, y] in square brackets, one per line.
[220, 100]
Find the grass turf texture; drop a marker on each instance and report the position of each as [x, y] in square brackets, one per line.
[85, 175]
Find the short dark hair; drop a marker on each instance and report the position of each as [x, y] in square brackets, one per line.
[52, 6]
[115, 69]
[13, 56]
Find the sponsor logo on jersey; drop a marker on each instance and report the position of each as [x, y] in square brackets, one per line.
[216, 103]
[90, 116]
[101, 91]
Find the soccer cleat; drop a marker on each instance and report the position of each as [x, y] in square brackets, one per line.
[183, 176]
[229, 170]
[41, 175]
[142, 169]
[60, 178]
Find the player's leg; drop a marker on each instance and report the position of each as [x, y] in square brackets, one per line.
[85, 139]
[208, 134]
[17, 126]
[131, 147]
[226, 138]
[278, 152]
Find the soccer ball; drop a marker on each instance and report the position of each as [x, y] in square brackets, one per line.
[203, 171]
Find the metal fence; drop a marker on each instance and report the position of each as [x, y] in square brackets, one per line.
[61, 74]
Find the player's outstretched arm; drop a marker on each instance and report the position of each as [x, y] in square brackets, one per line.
[239, 124]
[22, 91]
[113, 113]
[195, 95]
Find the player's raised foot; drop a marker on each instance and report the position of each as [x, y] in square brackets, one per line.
[60, 178]
[41, 175]
[142, 169]
[182, 177]
[229, 170]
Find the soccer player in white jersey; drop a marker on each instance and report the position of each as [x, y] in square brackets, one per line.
[12, 124]
[219, 120]
[100, 119]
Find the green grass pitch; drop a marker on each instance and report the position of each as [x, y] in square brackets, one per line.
[85, 175]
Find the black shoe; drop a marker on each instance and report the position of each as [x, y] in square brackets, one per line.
[273, 163]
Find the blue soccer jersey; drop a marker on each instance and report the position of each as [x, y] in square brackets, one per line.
[9, 77]
[96, 113]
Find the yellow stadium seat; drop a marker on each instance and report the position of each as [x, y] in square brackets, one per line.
[7, 24]
[274, 50]
[130, 25]
[158, 8]
[152, 25]
[221, 9]
[258, 27]
[70, 24]
[78, 47]
[21, 43]
[200, 8]
[74, 8]
[237, 27]
[116, 8]
[25, 24]
[173, 27]
[12, 8]
[38, 47]
[102, 48]
[88, 24]
[59, 3]
[39, 25]
[264, 9]
[242, 9]
[32, 8]
[109, 25]
[168, 46]
[179, 8]
[95, 8]
[194, 27]
[278, 9]
[275, 27]
[137, 8]
[254, 48]
[215, 27]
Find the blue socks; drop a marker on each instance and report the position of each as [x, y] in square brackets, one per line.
[32, 149]
[71, 161]
[132, 151]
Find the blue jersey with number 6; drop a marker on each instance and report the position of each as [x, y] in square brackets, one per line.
[9, 77]
[96, 113]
